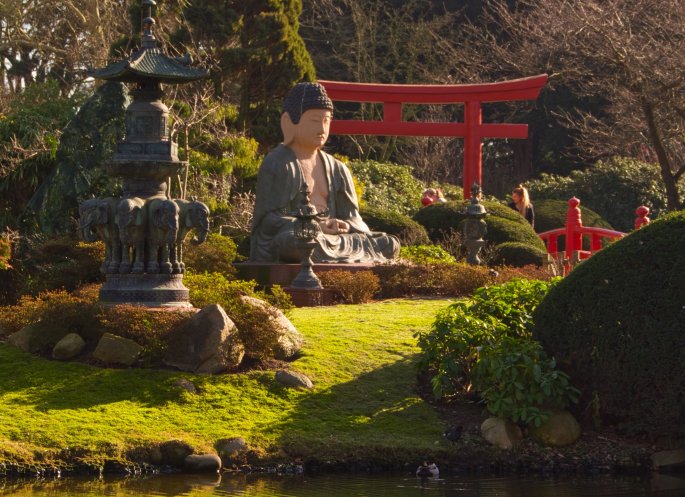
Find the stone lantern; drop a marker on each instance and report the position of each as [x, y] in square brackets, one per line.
[144, 230]
[475, 227]
[306, 229]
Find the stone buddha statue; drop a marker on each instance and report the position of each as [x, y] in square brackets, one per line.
[298, 164]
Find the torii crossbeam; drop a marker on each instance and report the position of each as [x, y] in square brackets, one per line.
[472, 129]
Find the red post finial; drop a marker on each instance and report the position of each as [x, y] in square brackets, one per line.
[574, 226]
[641, 212]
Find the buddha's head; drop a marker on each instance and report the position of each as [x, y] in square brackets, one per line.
[306, 118]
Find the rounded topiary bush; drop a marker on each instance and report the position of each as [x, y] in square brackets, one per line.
[518, 254]
[504, 224]
[616, 325]
[403, 227]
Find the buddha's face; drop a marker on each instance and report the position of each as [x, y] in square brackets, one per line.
[312, 130]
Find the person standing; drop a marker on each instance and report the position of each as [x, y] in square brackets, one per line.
[521, 203]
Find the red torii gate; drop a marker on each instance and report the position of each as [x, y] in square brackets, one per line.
[473, 130]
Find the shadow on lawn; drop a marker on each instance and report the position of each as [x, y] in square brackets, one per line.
[58, 385]
[368, 418]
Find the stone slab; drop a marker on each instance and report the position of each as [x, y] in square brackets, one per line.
[268, 274]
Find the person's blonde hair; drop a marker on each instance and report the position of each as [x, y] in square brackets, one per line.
[525, 198]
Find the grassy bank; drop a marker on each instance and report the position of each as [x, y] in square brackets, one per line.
[361, 359]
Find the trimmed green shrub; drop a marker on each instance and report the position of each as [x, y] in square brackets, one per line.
[518, 254]
[403, 227]
[551, 214]
[389, 187]
[503, 223]
[613, 189]
[616, 324]
[215, 255]
[353, 287]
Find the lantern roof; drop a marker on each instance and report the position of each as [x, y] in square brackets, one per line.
[150, 62]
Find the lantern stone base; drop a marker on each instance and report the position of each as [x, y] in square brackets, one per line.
[149, 290]
[310, 297]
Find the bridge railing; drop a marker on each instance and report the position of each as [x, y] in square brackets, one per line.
[573, 234]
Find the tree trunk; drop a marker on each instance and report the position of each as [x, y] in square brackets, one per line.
[669, 179]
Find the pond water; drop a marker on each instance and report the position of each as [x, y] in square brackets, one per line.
[349, 486]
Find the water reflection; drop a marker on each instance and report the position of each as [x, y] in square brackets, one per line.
[348, 486]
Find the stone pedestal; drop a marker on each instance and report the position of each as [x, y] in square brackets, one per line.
[310, 297]
[150, 290]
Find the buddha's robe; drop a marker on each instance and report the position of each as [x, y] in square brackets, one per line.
[279, 184]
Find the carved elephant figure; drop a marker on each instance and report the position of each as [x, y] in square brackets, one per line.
[192, 215]
[98, 221]
[132, 220]
[162, 227]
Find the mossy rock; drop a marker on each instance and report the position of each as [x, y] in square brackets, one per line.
[403, 227]
[504, 224]
[616, 325]
[518, 254]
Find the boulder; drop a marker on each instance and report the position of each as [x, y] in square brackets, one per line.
[559, 430]
[668, 458]
[113, 349]
[36, 338]
[228, 448]
[290, 340]
[501, 433]
[202, 463]
[206, 343]
[174, 452]
[293, 379]
[186, 385]
[68, 347]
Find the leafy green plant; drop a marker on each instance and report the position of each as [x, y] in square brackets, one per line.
[518, 381]
[425, 254]
[452, 347]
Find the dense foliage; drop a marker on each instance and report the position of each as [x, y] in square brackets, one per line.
[485, 343]
[612, 188]
[616, 324]
[215, 255]
[388, 187]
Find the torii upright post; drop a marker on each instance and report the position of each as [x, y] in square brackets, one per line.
[471, 96]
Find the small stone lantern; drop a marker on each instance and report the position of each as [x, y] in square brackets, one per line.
[475, 227]
[306, 230]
